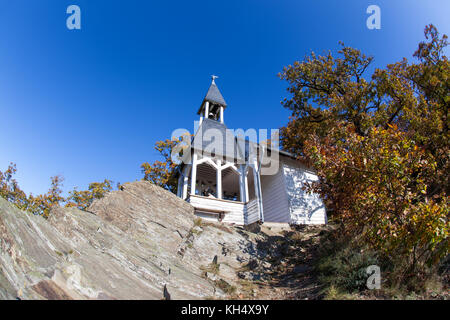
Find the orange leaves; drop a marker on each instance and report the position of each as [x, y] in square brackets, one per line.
[380, 147]
[9, 188]
[83, 199]
[43, 204]
[161, 173]
[372, 181]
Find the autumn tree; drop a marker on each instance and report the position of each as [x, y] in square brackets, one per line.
[163, 173]
[380, 145]
[9, 188]
[41, 204]
[83, 199]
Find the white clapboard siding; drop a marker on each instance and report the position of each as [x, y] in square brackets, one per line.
[234, 210]
[275, 200]
[305, 207]
[252, 211]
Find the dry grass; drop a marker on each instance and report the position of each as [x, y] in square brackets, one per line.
[211, 268]
[218, 226]
[198, 222]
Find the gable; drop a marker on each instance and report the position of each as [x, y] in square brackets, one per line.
[213, 137]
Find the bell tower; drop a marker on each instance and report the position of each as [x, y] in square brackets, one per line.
[213, 104]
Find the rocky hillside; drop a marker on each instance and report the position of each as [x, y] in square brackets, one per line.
[141, 242]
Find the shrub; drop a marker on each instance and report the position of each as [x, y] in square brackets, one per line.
[343, 265]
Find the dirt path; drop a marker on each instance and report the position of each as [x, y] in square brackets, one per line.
[285, 272]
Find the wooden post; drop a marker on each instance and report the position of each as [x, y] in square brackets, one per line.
[194, 173]
[246, 185]
[258, 190]
[260, 199]
[242, 183]
[219, 179]
[255, 182]
[185, 182]
[180, 186]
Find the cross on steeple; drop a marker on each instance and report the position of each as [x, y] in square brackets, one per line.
[214, 77]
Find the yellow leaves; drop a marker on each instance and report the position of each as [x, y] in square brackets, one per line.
[161, 173]
[380, 183]
[393, 126]
[83, 199]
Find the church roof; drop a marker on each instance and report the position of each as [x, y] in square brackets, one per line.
[214, 96]
[215, 136]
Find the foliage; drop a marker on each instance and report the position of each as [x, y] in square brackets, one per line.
[198, 222]
[379, 146]
[84, 198]
[43, 204]
[9, 188]
[342, 265]
[225, 286]
[162, 173]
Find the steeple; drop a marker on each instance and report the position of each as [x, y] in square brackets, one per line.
[213, 104]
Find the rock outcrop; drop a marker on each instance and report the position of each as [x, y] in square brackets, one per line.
[141, 242]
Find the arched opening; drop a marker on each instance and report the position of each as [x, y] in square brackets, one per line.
[230, 184]
[206, 180]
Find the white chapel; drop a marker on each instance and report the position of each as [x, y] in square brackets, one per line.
[231, 179]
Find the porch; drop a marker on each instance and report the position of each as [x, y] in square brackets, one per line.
[229, 211]
[221, 190]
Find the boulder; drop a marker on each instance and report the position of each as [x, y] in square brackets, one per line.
[135, 243]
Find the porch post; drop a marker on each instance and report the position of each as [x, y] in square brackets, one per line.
[246, 184]
[241, 185]
[258, 191]
[180, 186]
[185, 182]
[219, 179]
[260, 199]
[255, 182]
[194, 173]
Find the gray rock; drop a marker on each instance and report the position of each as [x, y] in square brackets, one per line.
[130, 245]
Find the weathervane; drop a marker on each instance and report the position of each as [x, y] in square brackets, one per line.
[214, 77]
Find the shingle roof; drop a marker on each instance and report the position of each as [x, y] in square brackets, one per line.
[214, 96]
[215, 136]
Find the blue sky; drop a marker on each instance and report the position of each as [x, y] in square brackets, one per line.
[89, 104]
